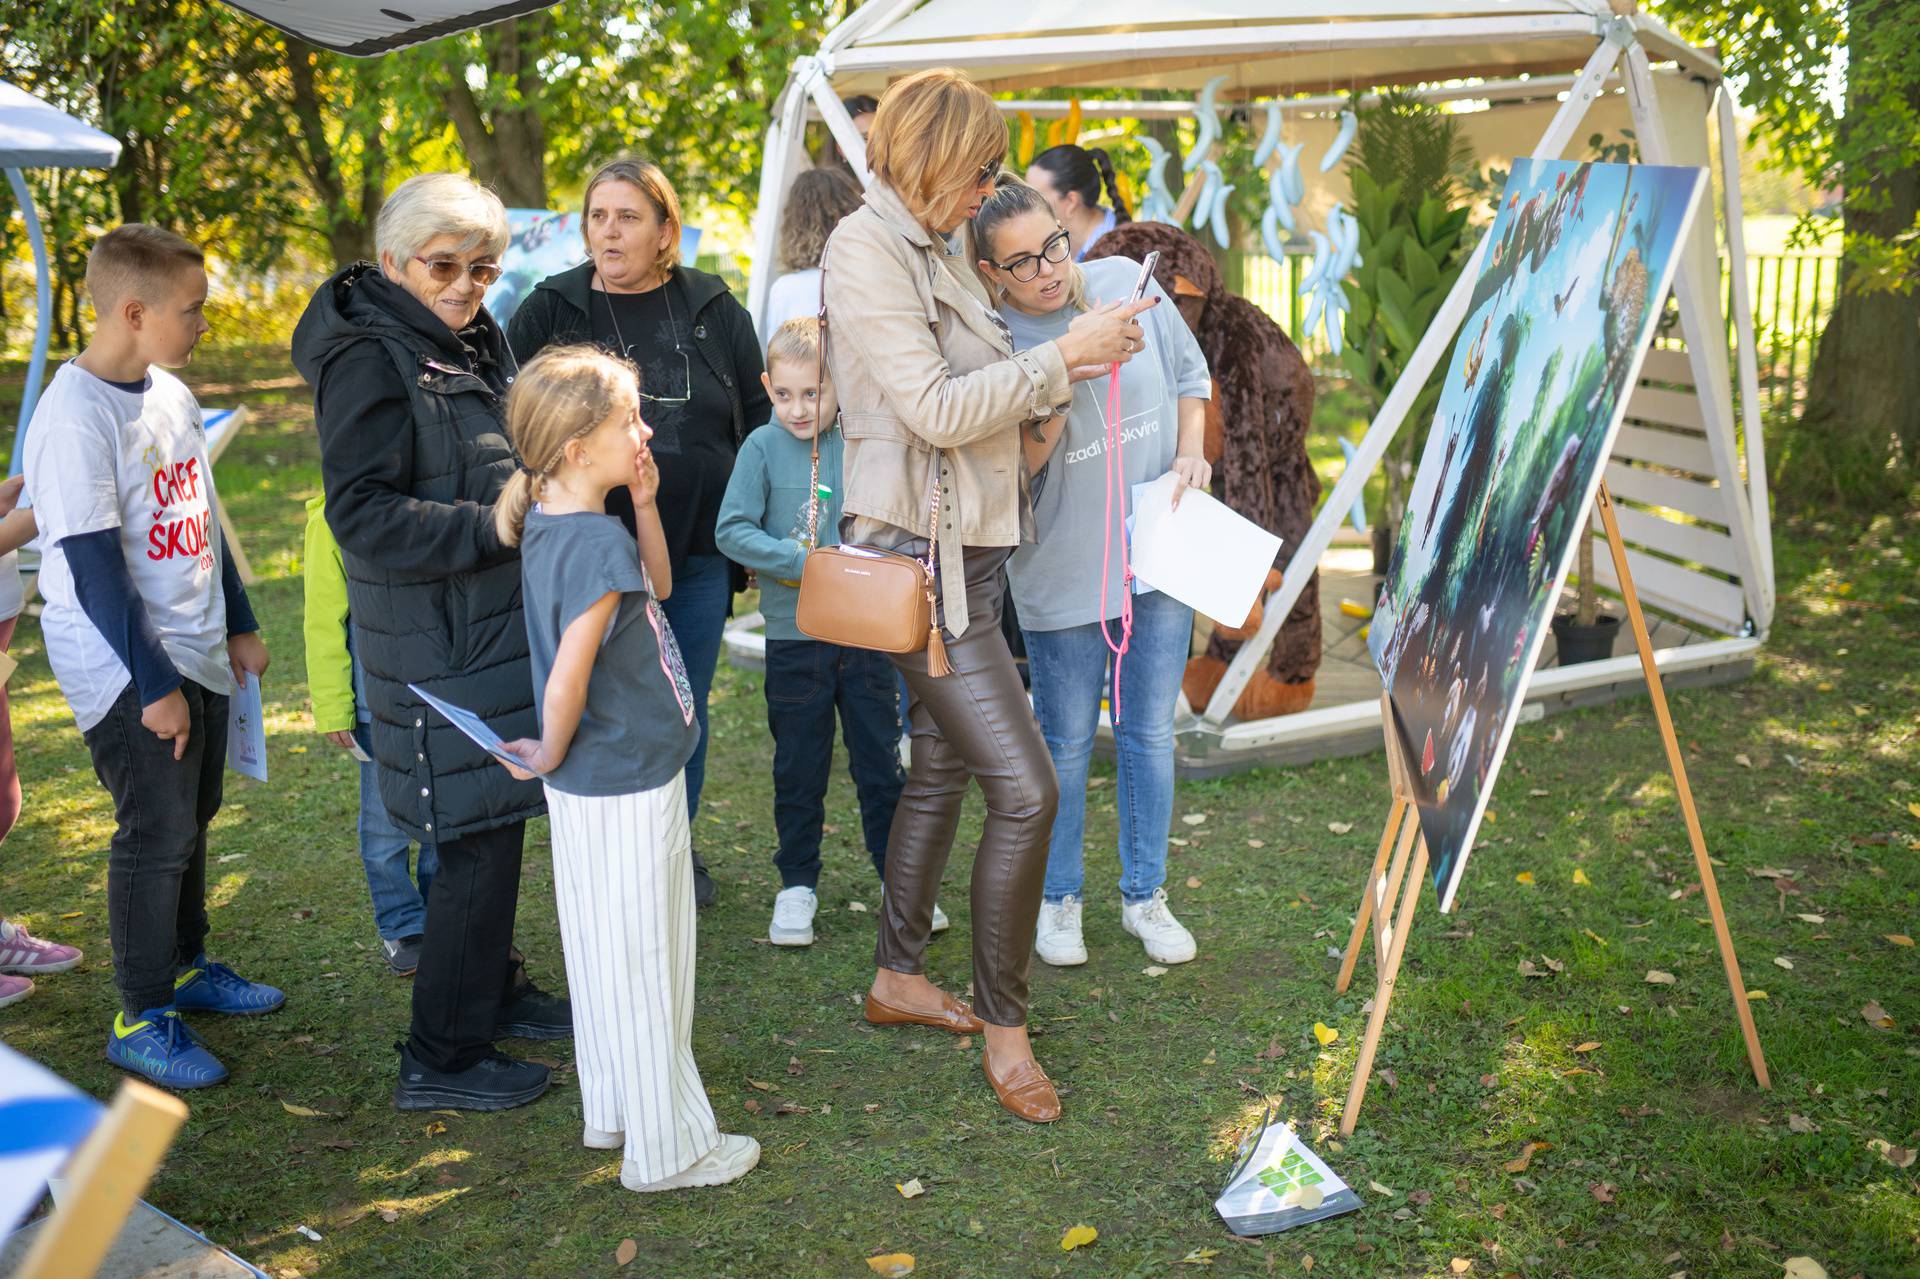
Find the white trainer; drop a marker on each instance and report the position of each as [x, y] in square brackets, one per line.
[597, 1139]
[940, 921]
[1058, 940]
[1166, 938]
[731, 1160]
[793, 917]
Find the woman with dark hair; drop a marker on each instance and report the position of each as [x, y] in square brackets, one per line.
[817, 201]
[1074, 179]
[700, 392]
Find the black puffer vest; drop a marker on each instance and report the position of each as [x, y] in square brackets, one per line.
[461, 636]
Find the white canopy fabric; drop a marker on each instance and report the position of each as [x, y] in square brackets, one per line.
[37, 135]
[366, 27]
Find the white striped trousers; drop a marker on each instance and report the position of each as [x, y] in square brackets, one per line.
[623, 878]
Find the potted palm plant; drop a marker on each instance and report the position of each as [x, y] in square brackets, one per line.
[1586, 634]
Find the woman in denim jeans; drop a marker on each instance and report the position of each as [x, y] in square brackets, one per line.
[1067, 611]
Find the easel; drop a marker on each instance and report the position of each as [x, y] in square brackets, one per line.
[1400, 864]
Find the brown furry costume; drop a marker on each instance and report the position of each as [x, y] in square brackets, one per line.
[1263, 391]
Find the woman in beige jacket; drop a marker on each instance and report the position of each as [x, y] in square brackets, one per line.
[930, 391]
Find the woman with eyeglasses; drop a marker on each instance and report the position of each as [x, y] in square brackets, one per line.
[700, 393]
[934, 397]
[1069, 586]
[410, 375]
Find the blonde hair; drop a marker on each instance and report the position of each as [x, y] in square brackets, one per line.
[1011, 197]
[817, 201]
[434, 204]
[652, 184]
[561, 394]
[131, 259]
[932, 134]
[797, 342]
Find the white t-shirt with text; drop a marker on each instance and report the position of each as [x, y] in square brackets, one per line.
[101, 457]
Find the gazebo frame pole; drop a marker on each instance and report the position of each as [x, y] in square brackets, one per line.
[43, 318]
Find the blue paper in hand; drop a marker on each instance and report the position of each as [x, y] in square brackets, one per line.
[472, 725]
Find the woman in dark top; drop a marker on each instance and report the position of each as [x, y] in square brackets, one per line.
[700, 392]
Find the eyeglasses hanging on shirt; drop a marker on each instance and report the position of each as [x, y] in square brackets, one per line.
[673, 326]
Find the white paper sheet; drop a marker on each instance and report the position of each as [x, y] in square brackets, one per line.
[478, 731]
[247, 731]
[1205, 554]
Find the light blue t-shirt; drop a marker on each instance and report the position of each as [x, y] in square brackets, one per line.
[1056, 579]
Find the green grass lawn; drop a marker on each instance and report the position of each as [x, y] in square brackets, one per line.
[1663, 1155]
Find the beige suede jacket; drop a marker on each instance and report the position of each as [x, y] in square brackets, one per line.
[920, 362]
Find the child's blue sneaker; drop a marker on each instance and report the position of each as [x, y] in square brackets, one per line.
[207, 987]
[159, 1047]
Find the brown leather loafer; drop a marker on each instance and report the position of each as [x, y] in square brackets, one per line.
[1026, 1091]
[953, 1015]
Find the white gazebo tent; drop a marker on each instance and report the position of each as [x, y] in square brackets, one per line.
[34, 135]
[1689, 477]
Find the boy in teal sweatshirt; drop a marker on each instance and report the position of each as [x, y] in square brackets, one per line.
[763, 526]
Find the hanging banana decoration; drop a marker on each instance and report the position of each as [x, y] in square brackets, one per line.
[1158, 206]
[1023, 150]
[1269, 139]
[1209, 193]
[1296, 186]
[1218, 216]
[1207, 116]
[1349, 125]
[1071, 133]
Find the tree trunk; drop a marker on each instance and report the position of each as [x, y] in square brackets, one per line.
[508, 148]
[1859, 434]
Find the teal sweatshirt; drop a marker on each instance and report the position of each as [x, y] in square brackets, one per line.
[767, 494]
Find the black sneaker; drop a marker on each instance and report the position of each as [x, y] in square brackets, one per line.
[702, 883]
[496, 1082]
[534, 1014]
[403, 956]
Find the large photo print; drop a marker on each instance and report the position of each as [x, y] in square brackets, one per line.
[1581, 256]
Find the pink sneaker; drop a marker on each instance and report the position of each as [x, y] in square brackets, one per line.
[22, 952]
[13, 989]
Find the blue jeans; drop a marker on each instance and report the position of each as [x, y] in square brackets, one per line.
[697, 611]
[399, 908]
[807, 681]
[1071, 672]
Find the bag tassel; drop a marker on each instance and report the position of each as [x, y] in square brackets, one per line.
[937, 664]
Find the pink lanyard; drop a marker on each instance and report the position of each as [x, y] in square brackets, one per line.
[1116, 477]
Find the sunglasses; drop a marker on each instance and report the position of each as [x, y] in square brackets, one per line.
[447, 270]
[1027, 265]
[989, 172]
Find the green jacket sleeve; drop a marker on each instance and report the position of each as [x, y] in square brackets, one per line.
[329, 665]
[740, 533]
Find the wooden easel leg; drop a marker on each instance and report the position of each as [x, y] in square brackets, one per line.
[1383, 991]
[1394, 817]
[1709, 888]
[105, 1176]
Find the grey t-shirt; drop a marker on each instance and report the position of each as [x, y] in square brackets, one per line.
[1056, 579]
[638, 729]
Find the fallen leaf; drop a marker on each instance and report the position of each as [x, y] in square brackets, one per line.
[752, 1106]
[1657, 978]
[1520, 1161]
[1420, 1198]
[891, 1265]
[1324, 1033]
[1078, 1237]
[1743, 761]
[1898, 1156]
[1539, 793]
[389, 1215]
[1602, 1190]
[625, 1253]
[1256, 843]
[435, 1128]
[755, 1083]
[1580, 877]
[1176, 841]
[1596, 936]
[1783, 962]
[1154, 970]
[792, 1108]
[1876, 1015]
[1524, 877]
[1194, 819]
[1804, 1268]
[1587, 1047]
[1811, 919]
[870, 1107]
[1339, 828]
[1200, 1257]
[1379, 1189]
[860, 907]
[1756, 994]
[306, 1112]
[1914, 808]
[794, 1067]
[73, 914]
[1193, 881]
[1898, 939]
[910, 1189]
[1800, 1123]
[1459, 1265]
[1209, 1059]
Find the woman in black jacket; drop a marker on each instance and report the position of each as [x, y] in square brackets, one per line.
[409, 375]
[700, 364]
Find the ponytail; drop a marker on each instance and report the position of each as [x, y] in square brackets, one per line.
[1111, 181]
[561, 395]
[511, 507]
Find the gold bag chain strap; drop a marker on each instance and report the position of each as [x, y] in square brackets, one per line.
[937, 663]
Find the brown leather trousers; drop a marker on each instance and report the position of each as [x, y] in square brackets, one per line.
[972, 725]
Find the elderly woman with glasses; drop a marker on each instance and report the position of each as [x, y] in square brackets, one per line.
[409, 375]
[700, 392]
[935, 399]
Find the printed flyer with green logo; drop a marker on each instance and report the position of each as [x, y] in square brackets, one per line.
[1280, 1183]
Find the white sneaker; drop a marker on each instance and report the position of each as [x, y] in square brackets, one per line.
[793, 917]
[940, 921]
[595, 1139]
[731, 1160]
[1058, 940]
[1166, 938]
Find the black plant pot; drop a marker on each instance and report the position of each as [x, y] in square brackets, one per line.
[1382, 549]
[1577, 643]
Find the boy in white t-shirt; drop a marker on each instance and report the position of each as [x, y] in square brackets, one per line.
[147, 628]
